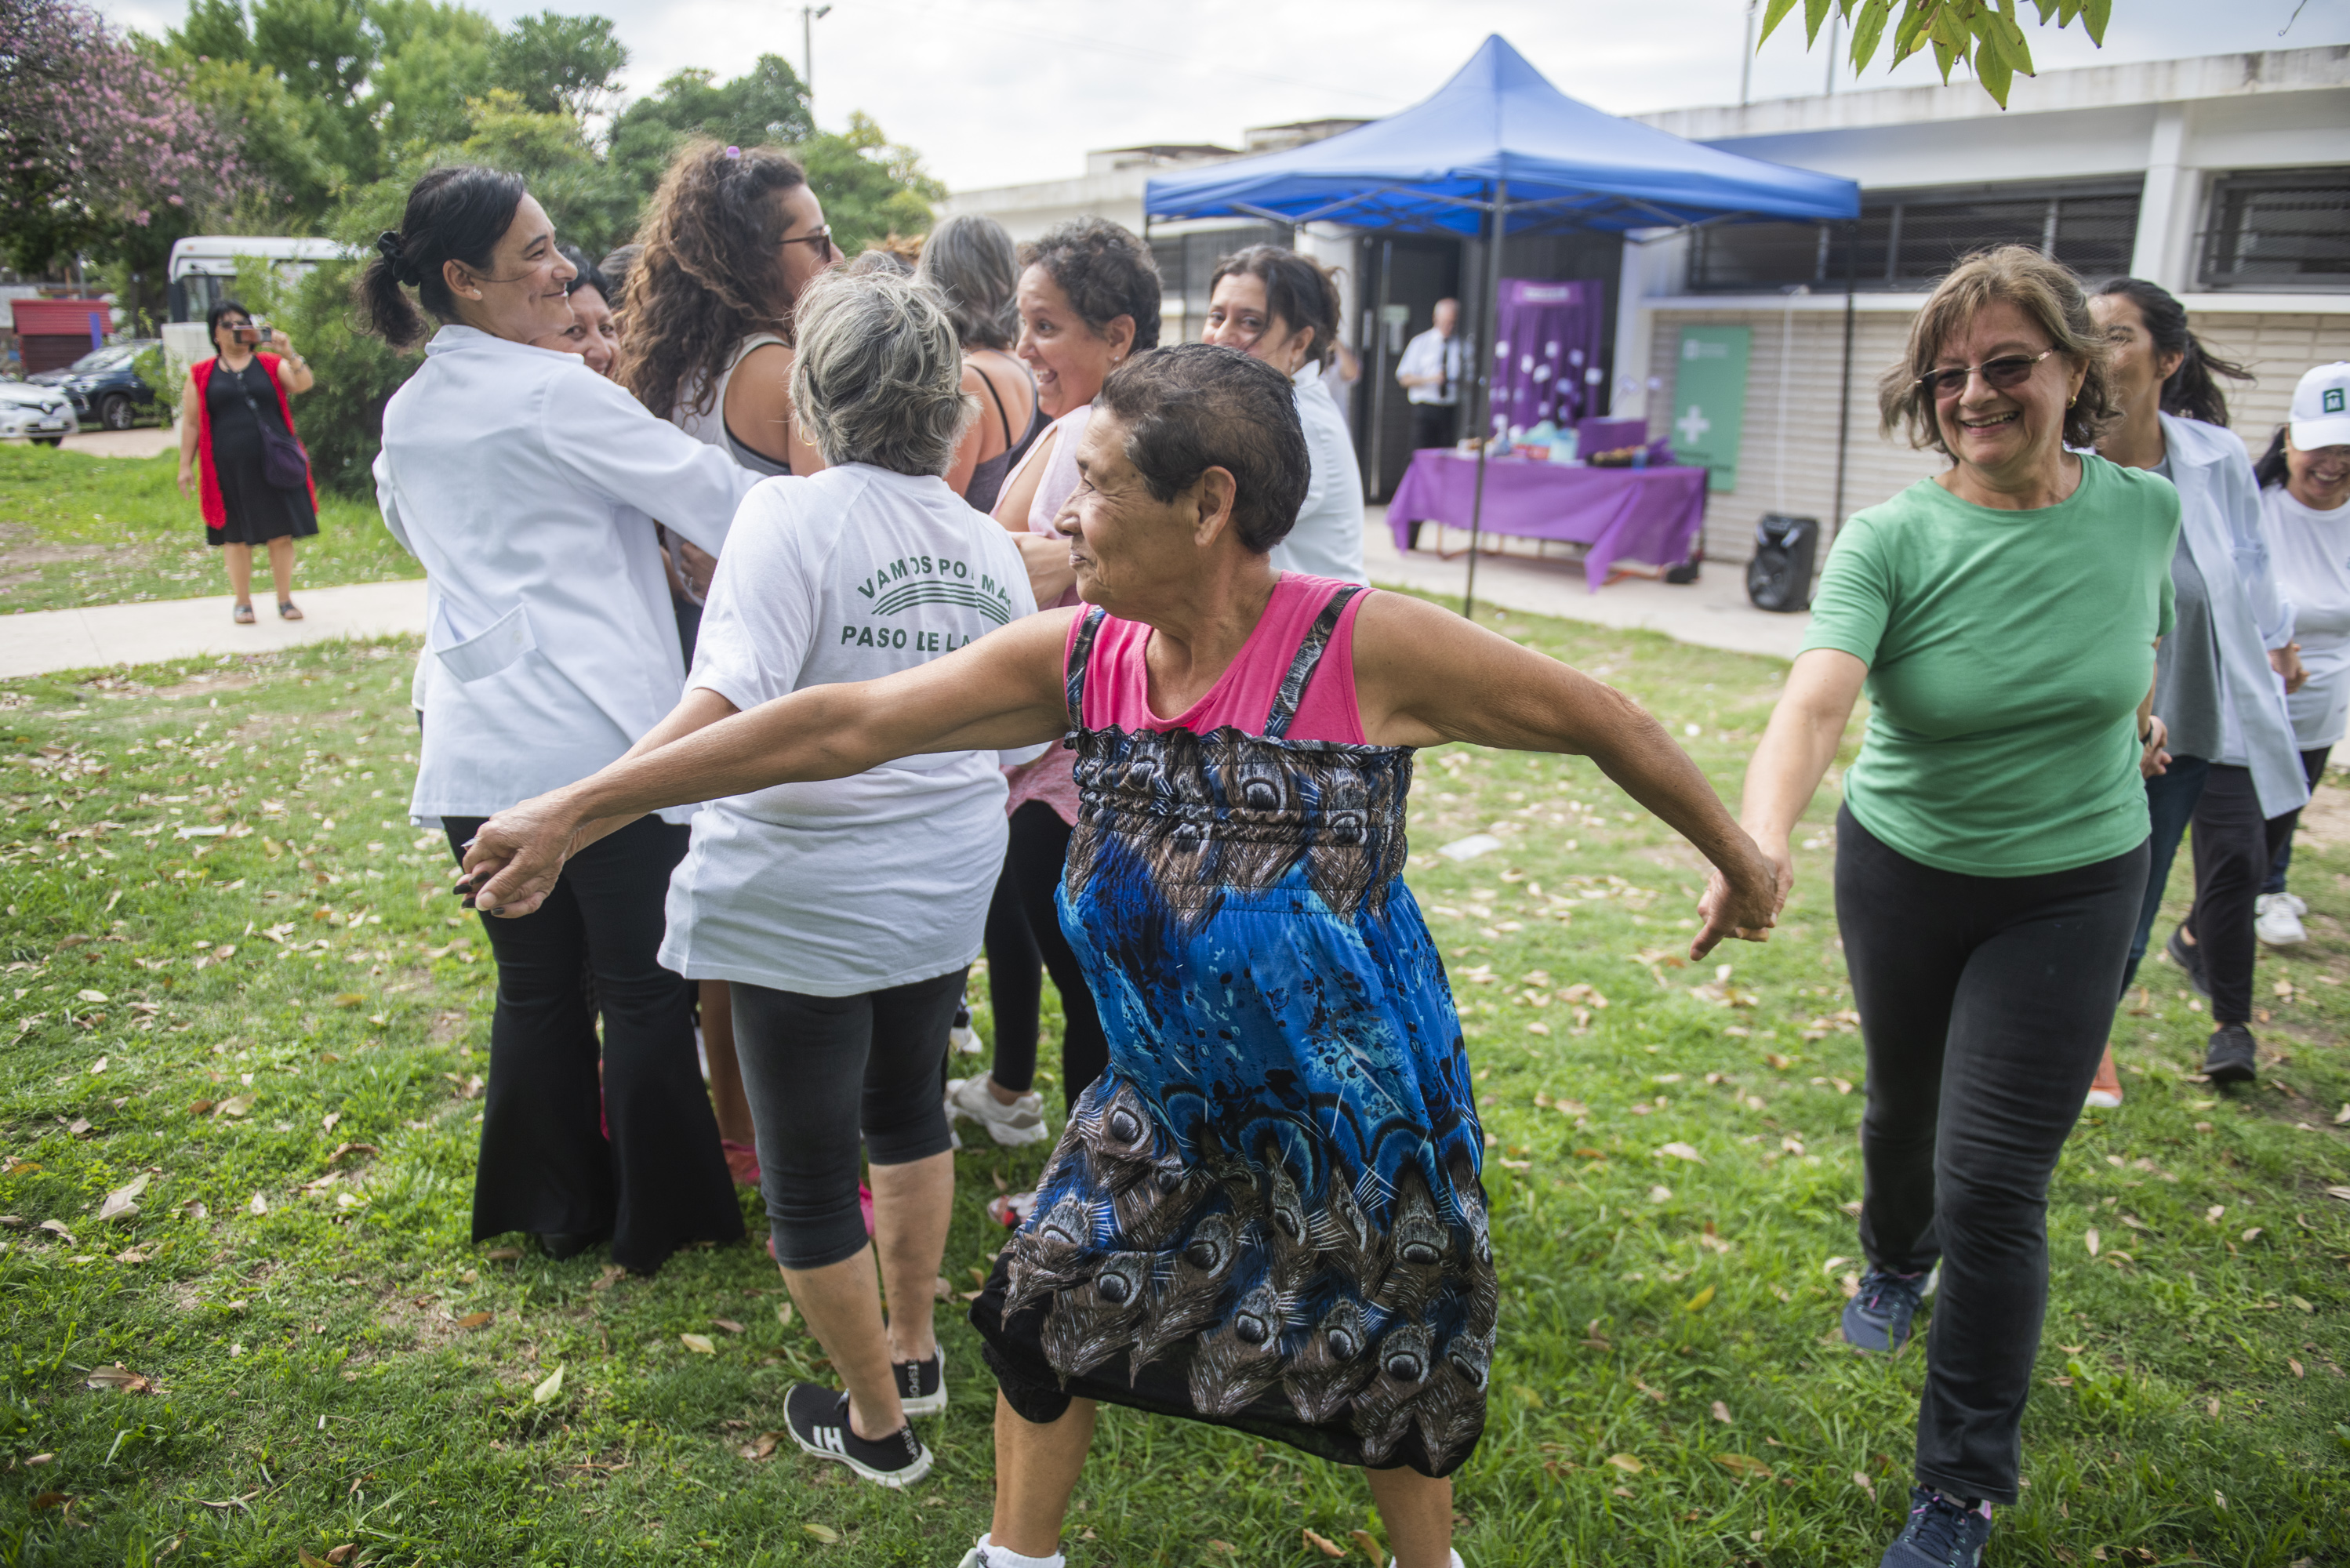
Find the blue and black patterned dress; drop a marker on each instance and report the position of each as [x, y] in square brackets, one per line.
[1267, 1214]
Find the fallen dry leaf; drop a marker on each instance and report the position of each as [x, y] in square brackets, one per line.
[343, 1552]
[783, 1313]
[1629, 1465]
[1369, 1544]
[48, 1499]
[2092, 1239]
[1721, 1413]
[613, 1273]
[1744, 1466]
[260, 1205]
[823, 1532]
[120, 1381]
[476, 1320]
[502, 1254]
[698, 1343]
[348, 999]
[123, 1200]
[236, 1105]
[200, 1108]
[728, 1323]
[548, 1390]
[342, 1149]
[302, 1555]
[2297, 1369]
[765, 1443]
[1682, 1151]
[1324, 1545]
[1698, 1302]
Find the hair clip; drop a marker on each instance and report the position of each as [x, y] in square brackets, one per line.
[734, 152]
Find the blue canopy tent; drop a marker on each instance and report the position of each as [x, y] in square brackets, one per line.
[1499, 150]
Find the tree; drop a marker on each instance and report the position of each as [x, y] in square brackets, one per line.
[765, 105]
[561, 64]
[871, 187]
[1985, 36]
[101, 151]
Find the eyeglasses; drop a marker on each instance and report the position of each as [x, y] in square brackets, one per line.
[821, 239]
[2002, 374]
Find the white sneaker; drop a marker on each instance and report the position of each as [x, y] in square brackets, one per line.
[1022, 1121]
[2277, 921]
[963, 1037]
[1456, 1561]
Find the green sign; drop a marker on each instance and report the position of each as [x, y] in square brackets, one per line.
[1710, 401]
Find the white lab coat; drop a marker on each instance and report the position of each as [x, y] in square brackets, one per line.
[527, 484]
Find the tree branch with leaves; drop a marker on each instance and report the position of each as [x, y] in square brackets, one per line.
[1988, 38]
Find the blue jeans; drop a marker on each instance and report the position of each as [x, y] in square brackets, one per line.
[2170, 798]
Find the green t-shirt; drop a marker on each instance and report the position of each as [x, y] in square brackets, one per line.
[2007, 654]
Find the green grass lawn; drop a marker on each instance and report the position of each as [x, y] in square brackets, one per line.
[76, 529]
[232, 975]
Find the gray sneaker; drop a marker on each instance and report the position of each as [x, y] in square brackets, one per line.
[2233, 1056]
[1878, 1318]
[1021, 1122]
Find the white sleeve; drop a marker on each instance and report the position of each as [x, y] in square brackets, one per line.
[759, 625]
[2239, 501]
[387, 500]
[595, 427]
[1414, 359]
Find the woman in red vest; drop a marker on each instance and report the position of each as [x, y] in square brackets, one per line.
[229, 403]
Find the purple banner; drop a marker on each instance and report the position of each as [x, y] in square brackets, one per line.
[1546, 346]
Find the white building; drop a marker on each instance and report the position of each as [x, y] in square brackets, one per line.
[2226, 179]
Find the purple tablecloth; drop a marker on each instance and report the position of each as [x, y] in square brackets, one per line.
[1649, 514]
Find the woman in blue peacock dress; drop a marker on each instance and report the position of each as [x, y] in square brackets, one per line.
[1267, 1214]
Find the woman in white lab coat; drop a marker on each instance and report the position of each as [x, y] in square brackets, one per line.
[526, 484]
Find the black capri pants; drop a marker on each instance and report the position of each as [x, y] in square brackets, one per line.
[1984, 1004]
[818, 1070]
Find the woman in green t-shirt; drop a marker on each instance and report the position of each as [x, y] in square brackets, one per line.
[1992, 846]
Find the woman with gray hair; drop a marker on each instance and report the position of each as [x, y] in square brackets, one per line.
[971, 262]
[843, 915]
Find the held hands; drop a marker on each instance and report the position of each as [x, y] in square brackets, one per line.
[511, 865]
[2156, 758]
[1745, 902]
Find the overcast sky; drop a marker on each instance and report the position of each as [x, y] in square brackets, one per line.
[1000, 91]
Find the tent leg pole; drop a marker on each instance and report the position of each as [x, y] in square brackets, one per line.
[1844, 393]
[1484, 381]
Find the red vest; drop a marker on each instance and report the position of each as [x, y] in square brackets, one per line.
[216, 510]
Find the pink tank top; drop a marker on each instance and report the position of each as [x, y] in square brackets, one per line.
[1117, 683]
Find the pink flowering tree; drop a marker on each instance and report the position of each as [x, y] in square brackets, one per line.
[101, 152]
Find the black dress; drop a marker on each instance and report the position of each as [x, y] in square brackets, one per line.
[256, 511]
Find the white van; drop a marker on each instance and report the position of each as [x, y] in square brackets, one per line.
[202, 272]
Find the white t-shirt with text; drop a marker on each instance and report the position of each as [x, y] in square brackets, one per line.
[845, 886]
[2312, 552]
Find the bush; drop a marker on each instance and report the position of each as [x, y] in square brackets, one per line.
[154, 372]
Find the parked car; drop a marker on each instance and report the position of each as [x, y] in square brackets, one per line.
[42, 414]
[104, 388]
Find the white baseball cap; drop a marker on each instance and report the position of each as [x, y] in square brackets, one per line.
[2321, 408]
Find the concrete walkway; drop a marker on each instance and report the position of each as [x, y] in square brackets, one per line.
[42, 641]
[1711, 612]
[143, 440]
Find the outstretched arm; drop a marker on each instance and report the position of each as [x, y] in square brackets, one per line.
[1424, 676]
[1800, 740]
[1003, 691]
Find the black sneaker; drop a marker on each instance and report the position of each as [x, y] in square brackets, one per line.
[818, 1419]
[1878, 1318]
[922, 1385]
[2232, 1056]
[1941, 1533]
[2190, 959]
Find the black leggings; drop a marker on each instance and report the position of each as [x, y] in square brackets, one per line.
[1984, 1004]
[658, 1181]
[1024, 941]
[819, 1070]
[2234, 848]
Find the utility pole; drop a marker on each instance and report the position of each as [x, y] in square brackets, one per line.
[1746, 59]
[809, 16]
[1834, 19]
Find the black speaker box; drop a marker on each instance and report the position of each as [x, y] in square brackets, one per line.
[1779, 578]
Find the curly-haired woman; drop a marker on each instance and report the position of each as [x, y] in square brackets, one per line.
[733, 236]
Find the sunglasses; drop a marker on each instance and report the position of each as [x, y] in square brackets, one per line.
[2002, 374]
[821, 239]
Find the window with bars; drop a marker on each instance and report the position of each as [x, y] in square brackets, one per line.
[2285, 229]
[1907, 240]
[1186, 263]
